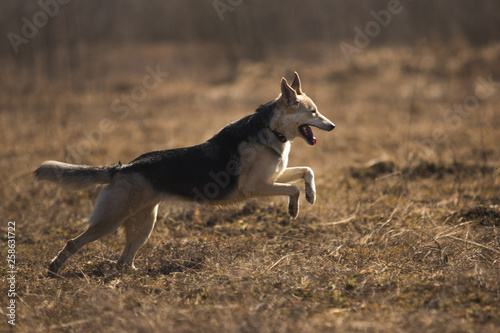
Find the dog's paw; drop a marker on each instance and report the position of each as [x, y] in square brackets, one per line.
[310, 194]
[125, 267]
[53, 269]
[293, 208]
[52, 274]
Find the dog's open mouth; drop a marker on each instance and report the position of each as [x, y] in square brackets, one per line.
[307, 133]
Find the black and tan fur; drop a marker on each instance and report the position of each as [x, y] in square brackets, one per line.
[247, 158]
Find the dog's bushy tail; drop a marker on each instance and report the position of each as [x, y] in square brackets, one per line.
[75, 177]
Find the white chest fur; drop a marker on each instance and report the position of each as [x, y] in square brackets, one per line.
[262, 161]
[283, 161]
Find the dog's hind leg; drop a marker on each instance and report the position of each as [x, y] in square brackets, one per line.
[114, 205]
[137, 227]
[72, 246]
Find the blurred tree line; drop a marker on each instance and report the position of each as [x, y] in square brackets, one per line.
[251, 28]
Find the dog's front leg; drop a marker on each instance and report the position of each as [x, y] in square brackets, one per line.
[274, 189]
[290, 175]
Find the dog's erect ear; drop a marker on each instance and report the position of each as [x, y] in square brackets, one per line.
[296, 84]
[288, 94]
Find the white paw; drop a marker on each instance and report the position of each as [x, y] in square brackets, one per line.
[310, 193]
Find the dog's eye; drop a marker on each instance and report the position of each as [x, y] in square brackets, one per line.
[314, 111]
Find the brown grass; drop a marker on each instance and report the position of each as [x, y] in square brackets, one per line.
[409, 242]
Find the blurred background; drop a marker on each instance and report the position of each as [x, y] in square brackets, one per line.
[76, 34]
[389, 73]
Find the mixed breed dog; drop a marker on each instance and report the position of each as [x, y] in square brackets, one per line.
[245, 159]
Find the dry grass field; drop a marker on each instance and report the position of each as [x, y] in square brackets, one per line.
[404, 236]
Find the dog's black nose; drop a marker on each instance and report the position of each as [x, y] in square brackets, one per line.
[331, 127]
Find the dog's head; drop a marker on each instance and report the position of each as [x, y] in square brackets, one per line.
[296, 113]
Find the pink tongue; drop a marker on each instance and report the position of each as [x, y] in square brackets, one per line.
[308, 134]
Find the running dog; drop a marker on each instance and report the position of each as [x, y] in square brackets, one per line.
[247, 158]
